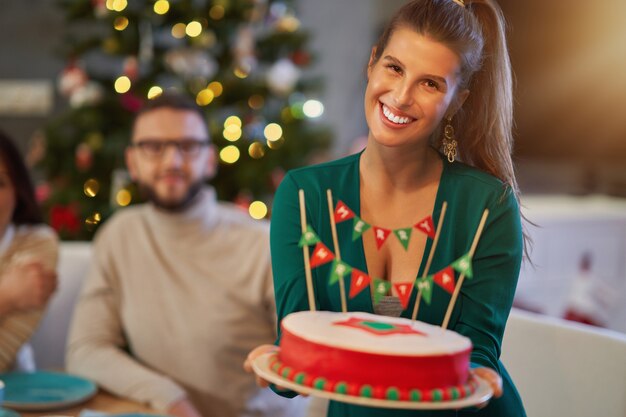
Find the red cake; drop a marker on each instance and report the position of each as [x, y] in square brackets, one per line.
[366, 355]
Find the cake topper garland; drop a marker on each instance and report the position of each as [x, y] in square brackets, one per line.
[359, 280]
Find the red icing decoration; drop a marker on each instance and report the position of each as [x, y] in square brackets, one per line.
[393, 329]
[404, 372]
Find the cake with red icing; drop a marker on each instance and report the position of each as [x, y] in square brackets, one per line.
[362, 354]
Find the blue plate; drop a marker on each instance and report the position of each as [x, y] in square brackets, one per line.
[44, 390]
[8, 413]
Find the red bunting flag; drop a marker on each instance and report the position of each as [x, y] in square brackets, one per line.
[445, 279]
[321, 255]
[427, 226]
[358, 282]
[404, 290]
[381, 236]
[342, 212]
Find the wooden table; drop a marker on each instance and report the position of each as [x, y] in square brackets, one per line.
[102, 401]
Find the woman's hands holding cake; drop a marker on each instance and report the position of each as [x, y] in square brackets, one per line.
[255, 353]
[492, 378]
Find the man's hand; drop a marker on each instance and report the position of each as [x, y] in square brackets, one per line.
[26, 286]
[183, 408]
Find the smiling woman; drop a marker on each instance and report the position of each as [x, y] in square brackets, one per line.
[439, 74]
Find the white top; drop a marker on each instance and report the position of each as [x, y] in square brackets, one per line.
[396, 336]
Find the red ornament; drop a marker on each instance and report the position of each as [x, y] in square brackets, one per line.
[131, 68]
[64, 218]
[131, 102]
[83, 157]
[301, 58]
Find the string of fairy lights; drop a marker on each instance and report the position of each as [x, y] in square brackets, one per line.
[234, 129]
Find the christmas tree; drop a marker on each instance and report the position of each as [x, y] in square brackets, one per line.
[243, 61]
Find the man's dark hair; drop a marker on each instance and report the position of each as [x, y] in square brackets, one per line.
[171, 99]
[26, 208]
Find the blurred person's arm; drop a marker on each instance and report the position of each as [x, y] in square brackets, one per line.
[27, 281]
[97, 347]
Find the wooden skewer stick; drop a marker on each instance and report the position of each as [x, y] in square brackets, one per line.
[305, 252]
[333, 227]
[459, 283]
[444, 206]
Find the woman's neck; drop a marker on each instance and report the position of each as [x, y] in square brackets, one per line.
[403, 169]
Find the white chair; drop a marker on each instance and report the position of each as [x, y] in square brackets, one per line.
[49, 340]
[563, 368]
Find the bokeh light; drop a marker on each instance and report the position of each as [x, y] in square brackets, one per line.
[205, 97]
[256, 150]
[120, 23]
[313, 108]
[122, 84]
[257, 210]
[161, 7]
[273, 132]
[154, 92]
[193, 29]
[230, 154]
[123, 197]
[91, 187]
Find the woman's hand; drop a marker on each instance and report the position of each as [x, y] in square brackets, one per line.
[255, 353]
[492, 378]
[26, 286]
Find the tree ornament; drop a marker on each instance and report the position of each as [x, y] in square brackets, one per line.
[72, 78]
[282, 77]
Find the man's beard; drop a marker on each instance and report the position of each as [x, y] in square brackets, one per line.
[148, 193]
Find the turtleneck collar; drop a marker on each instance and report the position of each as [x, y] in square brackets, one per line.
[201, 215]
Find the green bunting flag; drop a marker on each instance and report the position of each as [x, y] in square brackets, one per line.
[338, 270]
[358, 227]
[464, 265]
[404, 236]
[426, 286]
[308, 238]
[381, 288]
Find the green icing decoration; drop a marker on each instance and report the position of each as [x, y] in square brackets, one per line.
[299, 379]
[341, 388]
[286, 371]
[379, 326]
[454, 393]
[393, 393]
[276, 367]
[366, 391]
[319, 383]
[415, 395]
[437, 395]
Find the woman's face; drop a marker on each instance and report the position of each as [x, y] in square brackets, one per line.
[410, 88]
[7, 198]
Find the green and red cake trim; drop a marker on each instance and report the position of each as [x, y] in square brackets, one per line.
[390, 393]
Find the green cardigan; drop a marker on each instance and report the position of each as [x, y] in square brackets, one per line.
[484, 303]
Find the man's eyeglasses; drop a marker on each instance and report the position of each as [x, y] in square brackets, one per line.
[188, 148]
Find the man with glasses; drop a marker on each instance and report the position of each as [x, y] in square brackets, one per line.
[180, 289]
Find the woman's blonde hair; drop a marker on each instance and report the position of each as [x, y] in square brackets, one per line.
[476, 33]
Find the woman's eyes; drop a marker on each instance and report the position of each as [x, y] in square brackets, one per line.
[395, 68]
[432, 84]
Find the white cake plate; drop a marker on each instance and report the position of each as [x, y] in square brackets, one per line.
[261, 368]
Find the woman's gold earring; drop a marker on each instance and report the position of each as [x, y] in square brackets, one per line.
[449, 143]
